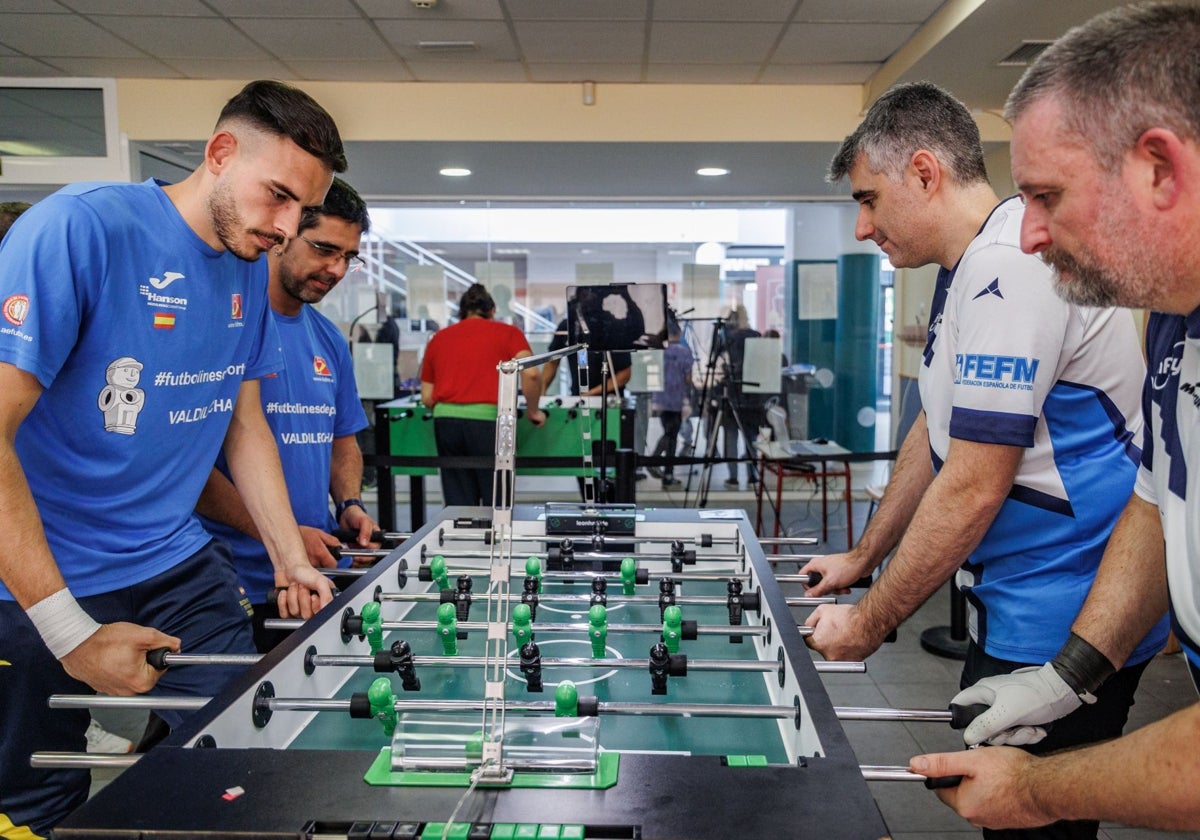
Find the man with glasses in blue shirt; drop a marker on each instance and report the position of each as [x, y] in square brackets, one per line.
[312, 407]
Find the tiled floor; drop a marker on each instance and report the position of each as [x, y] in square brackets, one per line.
[901, 674]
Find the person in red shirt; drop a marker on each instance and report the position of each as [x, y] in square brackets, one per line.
[459, 382]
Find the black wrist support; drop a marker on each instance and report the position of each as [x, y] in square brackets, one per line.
[1081, 666]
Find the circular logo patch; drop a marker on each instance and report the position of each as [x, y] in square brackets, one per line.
[16, 308]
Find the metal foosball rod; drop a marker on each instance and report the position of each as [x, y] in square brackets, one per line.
[579, 627]
[174, 660]
[555, 555]
[695, 600]
[311, 704]
[95, 761]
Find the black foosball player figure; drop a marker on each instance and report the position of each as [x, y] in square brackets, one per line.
[599, 592]
[531, 666]
[462, 598]
[734, 588]
[660, 664]
[666, 595]
[529, 595]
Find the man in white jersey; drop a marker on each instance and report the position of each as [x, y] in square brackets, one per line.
[1014, 473]
[136, 326]
[1105, 152]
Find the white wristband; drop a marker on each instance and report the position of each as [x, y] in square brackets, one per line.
[61, 622]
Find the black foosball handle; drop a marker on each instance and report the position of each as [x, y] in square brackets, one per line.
[346, 535]
[157, 658]
[862, 583]
[943, 782]
[961, 716]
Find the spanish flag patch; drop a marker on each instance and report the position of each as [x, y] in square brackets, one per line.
[164, 320]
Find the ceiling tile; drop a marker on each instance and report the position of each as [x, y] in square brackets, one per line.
[578, 10]
[231, 68]
[286, 8]
[315, 38]
[24, 67]
[580, 72]
[587, 41]
[715, 43]
[168, 38]
[54, 35]
[869, 11]
[813, 43]
[474, 71]
[135, 68]
[174, 8]
[723, 10]
[492, 38]
[37, 6]
[445, 10]
[351, 71]
[818, 74]
[691, 74]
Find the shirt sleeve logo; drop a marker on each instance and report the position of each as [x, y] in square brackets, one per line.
[16, 309]
[235, 306]
[320, 366]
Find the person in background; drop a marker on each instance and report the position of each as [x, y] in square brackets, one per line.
[736, 406]
[460, 383]
[1106, 154]
[1017, 470]
[620, 368]
[677, 377]
[9, 212]
[137, 329]
[312, 407]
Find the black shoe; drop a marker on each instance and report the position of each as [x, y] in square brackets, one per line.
[656, 472]
[639, 476]
[670, 482]
[731, 483]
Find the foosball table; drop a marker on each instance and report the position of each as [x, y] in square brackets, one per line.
[556, 672]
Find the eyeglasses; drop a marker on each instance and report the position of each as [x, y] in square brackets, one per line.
[328, 252]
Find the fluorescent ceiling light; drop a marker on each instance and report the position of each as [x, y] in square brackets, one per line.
[711, 171]
[454, 171]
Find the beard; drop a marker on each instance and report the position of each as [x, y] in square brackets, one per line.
[1089, 285]
[297, 285]
[228, 226]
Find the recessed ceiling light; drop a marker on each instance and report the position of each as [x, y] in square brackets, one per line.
[454, 171]
[711, 171]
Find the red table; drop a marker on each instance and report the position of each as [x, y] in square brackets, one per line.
[817, 463]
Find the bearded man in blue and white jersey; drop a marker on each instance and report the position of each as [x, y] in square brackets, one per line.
[312, 407]
[135, 330]
[1106, 152]
[1019, 465]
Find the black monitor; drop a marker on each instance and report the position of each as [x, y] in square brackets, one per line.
[618, 316]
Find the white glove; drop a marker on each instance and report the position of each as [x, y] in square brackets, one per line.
[1020, 702]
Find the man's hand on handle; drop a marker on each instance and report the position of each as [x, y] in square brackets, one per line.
[113, 659]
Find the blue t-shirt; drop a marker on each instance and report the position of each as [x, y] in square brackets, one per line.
[1009, 362]
[1171, 402]
[141, 335]
[310, 402]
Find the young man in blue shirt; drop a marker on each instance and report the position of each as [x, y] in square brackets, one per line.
[135, 331]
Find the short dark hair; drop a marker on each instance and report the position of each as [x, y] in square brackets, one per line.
[1119, 74]
[9, 211]
[908, 117]
[475, 301]
[341, 201]
[289, 112]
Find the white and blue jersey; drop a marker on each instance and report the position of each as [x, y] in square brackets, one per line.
[309, 403]
[1009, 362]
[141, 335]
[1171, 403]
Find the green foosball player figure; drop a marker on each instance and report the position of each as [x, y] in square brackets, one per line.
[383, 704]
[522, 625]
[447, 629]
[372, 626]
[598, 630]
[672, 628]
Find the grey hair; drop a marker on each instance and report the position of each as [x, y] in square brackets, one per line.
[1123, 72]
[918, 115]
